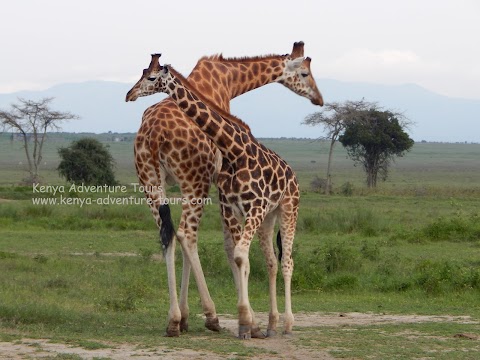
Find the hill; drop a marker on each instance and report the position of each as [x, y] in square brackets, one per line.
[271, 111]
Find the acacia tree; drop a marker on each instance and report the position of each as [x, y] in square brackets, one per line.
[334, 118]
[374, 139]
[32, 119]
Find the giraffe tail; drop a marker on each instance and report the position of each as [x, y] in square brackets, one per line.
[167, 231]
[279, 245]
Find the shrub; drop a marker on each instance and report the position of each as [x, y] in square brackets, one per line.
[370, 251]
[87, 161]
[456, 228]
[318, 185]
[346, 189]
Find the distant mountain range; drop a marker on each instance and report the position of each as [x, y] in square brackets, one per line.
[271, 111]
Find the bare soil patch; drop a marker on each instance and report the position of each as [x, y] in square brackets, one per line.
[279, 347]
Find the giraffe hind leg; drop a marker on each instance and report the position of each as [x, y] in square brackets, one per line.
[287, 229]
[167, 233]
[265, 234]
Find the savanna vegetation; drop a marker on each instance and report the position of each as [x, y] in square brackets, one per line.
[91, 275]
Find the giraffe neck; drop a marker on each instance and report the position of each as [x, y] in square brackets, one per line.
[221, 80]
[222, 128]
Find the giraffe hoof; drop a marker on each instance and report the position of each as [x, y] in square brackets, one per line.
[184, 325]
[173, 329]
[213, 324]
[271, 333]
[244, 332]
[172, 333]
[258, 334]
[288, 334]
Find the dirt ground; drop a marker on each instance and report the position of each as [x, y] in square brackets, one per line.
[284, 348]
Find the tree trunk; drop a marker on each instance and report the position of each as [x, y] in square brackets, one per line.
[371, 179]
[27, 152]
[371, 167]
[328, 185]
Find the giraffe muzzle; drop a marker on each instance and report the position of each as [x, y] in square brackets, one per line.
[131, 96]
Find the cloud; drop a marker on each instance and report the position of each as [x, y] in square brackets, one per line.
[386, 66]
[387, 57]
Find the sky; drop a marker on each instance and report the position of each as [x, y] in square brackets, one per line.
[432, 43]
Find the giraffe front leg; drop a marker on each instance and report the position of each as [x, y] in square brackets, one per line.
[244, 314]
[229, 245]
[232, 231]
[241, 258]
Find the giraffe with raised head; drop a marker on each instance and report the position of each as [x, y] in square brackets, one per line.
[169, 148]
[256, 188]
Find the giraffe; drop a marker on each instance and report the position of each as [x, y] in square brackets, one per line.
[169, 148]
[256, 188]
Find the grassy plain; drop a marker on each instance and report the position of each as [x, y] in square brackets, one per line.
[92, 276]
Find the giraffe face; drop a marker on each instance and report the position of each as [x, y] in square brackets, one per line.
[150, 82]
[298, 77]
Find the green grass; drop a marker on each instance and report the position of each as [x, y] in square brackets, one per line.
[395, 341]
[429, 169]
[93, 275]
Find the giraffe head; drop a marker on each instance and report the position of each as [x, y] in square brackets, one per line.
[298, 77]
[149, 82]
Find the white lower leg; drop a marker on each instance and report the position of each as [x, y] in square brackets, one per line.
[274, 315]
[174, 314]
[288, 305]
[244, 309]
[184, 309]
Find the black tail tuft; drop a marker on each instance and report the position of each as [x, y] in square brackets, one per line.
[167, 230]
[279, 245]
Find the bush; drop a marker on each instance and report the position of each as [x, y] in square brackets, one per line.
[319, 185]
[87, 161]
[346, 189]
[457, 228]
[370, 251]
[436, 277]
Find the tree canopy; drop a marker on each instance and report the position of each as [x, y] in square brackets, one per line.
[372, 136]
[87, 161]
[32, 119]
[374, 139]
[334, 118]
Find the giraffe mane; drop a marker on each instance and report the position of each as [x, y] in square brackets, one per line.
[219, 57]
[232, 119]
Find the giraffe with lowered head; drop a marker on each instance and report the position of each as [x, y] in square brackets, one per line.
[169, 148]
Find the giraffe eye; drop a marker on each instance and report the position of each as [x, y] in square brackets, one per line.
[305, 74]
[151, 78]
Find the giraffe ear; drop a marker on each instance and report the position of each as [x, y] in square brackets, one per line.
[164, 69]
[294, 64]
